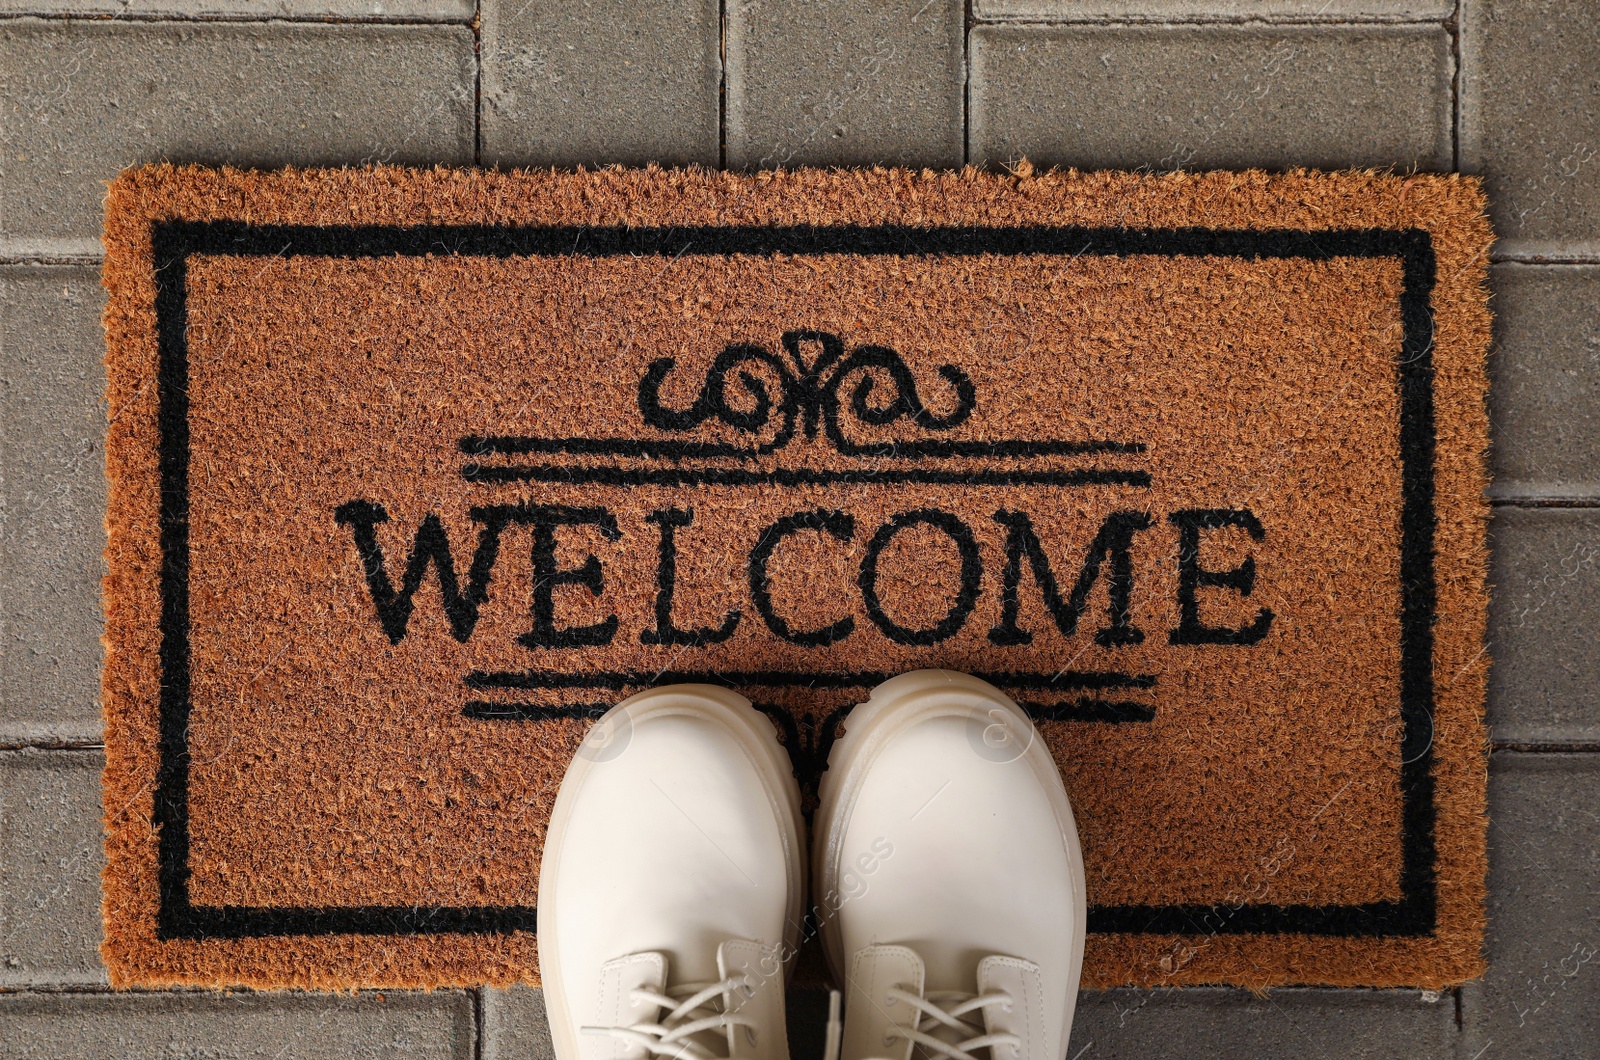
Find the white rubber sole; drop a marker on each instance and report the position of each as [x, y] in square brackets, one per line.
[759, 738]
[893, 707]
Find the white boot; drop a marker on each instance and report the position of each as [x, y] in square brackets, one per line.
[671, 886]
[947, 867]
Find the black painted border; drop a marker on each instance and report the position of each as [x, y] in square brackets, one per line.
[174, 241]
[1087, 708]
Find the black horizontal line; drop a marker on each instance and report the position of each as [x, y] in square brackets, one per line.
[358, 241]
[619, 679]
[1087, 709]
[482, 710]
[670, 449]
[1237, 918]
[234, 921]
[248, 921]
[650, 449]
[619, 476]
[1115, 712]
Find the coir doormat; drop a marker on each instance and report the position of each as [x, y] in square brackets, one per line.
[414, 473]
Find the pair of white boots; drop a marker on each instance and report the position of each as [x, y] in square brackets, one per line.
[947, 881]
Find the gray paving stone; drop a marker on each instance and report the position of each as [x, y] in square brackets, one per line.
[419, 10]
[82, 100]
[52, 503]
[212, 1026]
[51, 853]
[1215, 10]
[1545, 401]
[1543, 988]
[844, 82]
[1200, 97]
[1304, 1024]
[1544, 681]
[1307, 1024]
[1530, 121]
[594, 82]
[515, 1026]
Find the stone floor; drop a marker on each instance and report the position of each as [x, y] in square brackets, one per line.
[1509, 89]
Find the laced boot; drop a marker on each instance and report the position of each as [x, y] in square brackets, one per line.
[947, 866]
[671, 886]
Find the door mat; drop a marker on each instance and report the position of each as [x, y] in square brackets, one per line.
[414, 473]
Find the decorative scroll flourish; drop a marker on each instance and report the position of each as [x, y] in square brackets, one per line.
[810, 393]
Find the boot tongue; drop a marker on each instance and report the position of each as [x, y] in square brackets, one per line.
[868, 1020]
[757, 995]
[878, 968]
[1019, 979]
[618, 1007]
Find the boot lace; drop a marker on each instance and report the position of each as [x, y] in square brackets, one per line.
[939, 1024]
[691, 1023]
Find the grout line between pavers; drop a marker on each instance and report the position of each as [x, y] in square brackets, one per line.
[1544, 502]
[51, 745]
[234, 19]
[477, 84]
[968, 23]
[1191, 21]
[722, 85]
[1455, 89]
[1577, 747]
[51, 263]
[477, 1022]
[103, 988]
[1514, 258]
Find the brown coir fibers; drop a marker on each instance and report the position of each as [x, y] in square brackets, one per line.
[414, 472]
